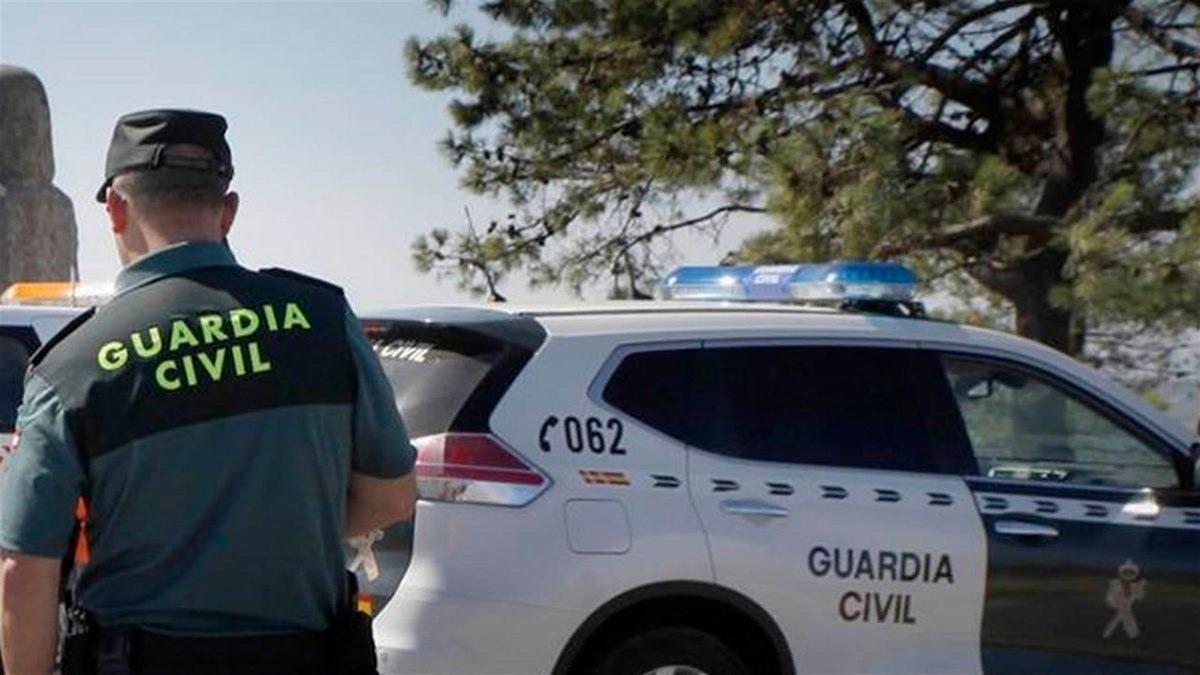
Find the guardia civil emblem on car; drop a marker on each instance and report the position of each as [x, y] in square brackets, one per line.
[1128, 588]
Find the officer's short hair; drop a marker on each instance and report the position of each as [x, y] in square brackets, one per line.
[172, 186]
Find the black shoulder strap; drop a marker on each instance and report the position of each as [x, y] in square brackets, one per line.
[302, 278]
[50, 344]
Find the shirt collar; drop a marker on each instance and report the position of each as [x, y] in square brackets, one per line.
[173, 260]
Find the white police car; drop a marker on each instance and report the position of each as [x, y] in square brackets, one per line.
[25, 324]
[731, 488]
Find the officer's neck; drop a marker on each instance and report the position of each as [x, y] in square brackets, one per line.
[148, 238]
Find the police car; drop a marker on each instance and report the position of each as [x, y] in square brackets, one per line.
[838, 486]
[30, 314]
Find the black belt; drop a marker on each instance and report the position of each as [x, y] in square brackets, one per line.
[156, 649]
[347, 648]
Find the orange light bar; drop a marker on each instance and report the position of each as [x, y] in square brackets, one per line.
[55, 293]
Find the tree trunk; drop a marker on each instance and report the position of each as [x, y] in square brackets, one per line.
[1085, 34]
[1037, 318]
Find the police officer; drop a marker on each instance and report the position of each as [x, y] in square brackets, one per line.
[226, 428]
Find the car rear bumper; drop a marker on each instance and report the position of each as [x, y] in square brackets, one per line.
[428, 633]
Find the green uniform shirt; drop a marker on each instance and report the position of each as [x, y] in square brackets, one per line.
[212, 416]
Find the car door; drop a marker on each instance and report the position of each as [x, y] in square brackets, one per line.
[1093, 548]
[826, 499]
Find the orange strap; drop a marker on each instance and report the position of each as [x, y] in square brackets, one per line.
[81, 545]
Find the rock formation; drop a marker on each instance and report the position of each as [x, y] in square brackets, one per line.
[37, 222]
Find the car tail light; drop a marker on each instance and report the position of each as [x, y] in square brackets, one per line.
[475, 468]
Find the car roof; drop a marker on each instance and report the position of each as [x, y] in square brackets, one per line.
[20, 315]
[654, 317]
[632, 308]
[660, 320]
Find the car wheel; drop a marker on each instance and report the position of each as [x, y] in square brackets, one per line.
[671, 650]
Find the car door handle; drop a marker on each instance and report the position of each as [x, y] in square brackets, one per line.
[1020, 528]
[753, 507]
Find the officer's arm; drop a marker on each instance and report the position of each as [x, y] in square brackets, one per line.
[382, 490]
[375, 503]
[39, 484]
[28, 612]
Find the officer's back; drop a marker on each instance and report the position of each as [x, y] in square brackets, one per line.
[227, 428]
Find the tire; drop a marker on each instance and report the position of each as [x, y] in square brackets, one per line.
[654, 652]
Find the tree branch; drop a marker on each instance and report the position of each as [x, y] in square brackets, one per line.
[1145, 26]
[1167, 70]
[965, 20]
[988, 228]
[950, 84]
[936, 130]
[975, 232]
[492, 283]
[659, 230]
[1154, 221]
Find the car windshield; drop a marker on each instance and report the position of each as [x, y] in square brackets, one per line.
[14, 357]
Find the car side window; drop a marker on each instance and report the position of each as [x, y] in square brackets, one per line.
[655, 388]
[14, 357]
[843, 406]
[1023, 426]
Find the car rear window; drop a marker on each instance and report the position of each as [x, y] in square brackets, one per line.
[14, 358]
[446, 377]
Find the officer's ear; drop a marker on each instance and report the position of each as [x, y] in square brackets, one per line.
[118, 210]
[229, 207]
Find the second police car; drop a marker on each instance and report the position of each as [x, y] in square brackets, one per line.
[30, 314]
[735, 488]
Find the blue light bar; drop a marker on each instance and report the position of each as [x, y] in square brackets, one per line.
[708, 282]
[850, 281]
[836, 283]
[769, 283]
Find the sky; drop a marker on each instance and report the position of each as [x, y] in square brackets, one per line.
[334, 150]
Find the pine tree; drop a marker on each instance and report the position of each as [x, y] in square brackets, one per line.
[1038, 156]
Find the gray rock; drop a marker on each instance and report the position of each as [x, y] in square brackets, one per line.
[37, 221]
